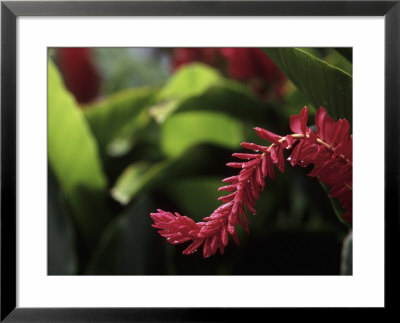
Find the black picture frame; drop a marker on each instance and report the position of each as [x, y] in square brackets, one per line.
[11, 10]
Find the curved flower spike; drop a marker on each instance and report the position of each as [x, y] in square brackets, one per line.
[329, 150]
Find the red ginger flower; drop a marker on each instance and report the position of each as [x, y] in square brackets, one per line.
[329, 149]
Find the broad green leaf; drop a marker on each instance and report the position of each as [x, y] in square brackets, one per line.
[129, 245]
[196, 197]
[61, 255]
[115, 120]
[186, 129]
[323, 84]
[189, 81]
[74, 158]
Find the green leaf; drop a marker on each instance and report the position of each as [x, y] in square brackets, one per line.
[323, 84]
[196, 197]
[61, 255]
[115, 120]
[74, 158]
[186, 129]
[129, 245]
[189, 81]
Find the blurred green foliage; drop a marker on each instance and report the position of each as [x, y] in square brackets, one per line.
[161, 140]
[74, 158]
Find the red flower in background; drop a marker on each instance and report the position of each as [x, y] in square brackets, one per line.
[329, 149]
[79, 73]
[254, 66]
[250, 65]
[183, 56]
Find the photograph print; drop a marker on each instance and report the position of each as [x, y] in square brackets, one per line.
[199, 161]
